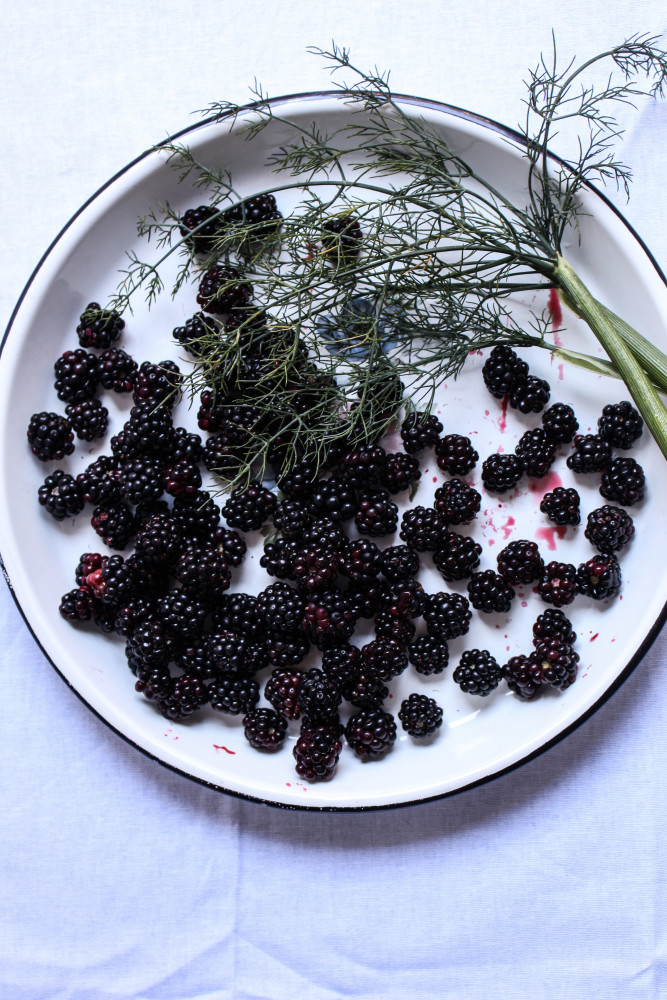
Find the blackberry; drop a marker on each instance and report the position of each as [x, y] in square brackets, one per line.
[157, 384]
[149, 645]
[400, 472]
[363, 466]
[197, 334]
[456, 502]
[553, 624]
[198, 656]
[503, 371]
[137, 609]
[562, 506]
[591, 454]
[366, 690]
[114, 523]
[520, 562]
[151, 578]
[159, 540]
[447, 616]
[456, 454]
[50, 436]
[599, 577]
[149, 431]
[520, 677]
[183, 615]
[560, 423]
[333, 498]
[141, 479]
[99, 482]
[558, 584]
[89, 419]
[188, 445]
[531, 396]
[278, 558]
[371, 733]
[428, 654]
[536, 451]
[317, 752]
[154, 683]
[624, 482]
[202, 572]
[341, 664]
[609, 529]
[221, 458]
[79, 605]
[261, 212]
[423, 529]
[501, 472]
[458, 556]
[314, 569]
[233, 694]
[117, 370]
[554, 662]
[61, 495]
[88, 563]
[420, 430]
[98, 327]
[299, 480]
[376, 513]
[398, 562]
[405, 598]
[396, 627]
[478, 672]
[620, 424]
[248, 509]
[342, 239]
[318, 696]
[77, 376]
[420, 715]
[113, 581]
[367, 597]
[182, 478]
[207, 222]
[236, 654]
[360, 559]
[222, 289]
[328, 618]
[197, 516]
[281, 607]
[291, 518]
[282, 691]
[286, 649]
[240, 613]
[187, 696]
[264, 729]
[489, 593]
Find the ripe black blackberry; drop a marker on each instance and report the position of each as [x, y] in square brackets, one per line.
[182, 478]
[317, 752]
[186, 444]
[99, 482]
[501, 472]
[599, 577]
[396, 627]
[79, 605]
[264, 729]
[222, 459]
[198, 656]
[114, 523]
[554, 624]
[291, 517]
[61, 495]
[182, 615]
[197, 516]
[359, 559]
[98, 327]
[203, 572]
[286, 649]
[447, 616]
[333, 498]
[520, 677]
[341, 240]
[420, 430]
[159, 540]
[207, 222]
[558, 584]
[89, 419]
[157, 383]
[400, 472]
[341, 664]
[367, 597]
[152, 579]
[560, 423]
[155, 683]
[149, 645]
[554, 662]
[398, 562]
[531, 396]
[278, 558]
[261, 212]
[503, 371]
[624, 482]
[609, 529]
[428, 654]
[314, 569]
[117, 370]
[318, 696]
[536, 451]
[50, 436]
[456, 502]
[140, 479]
[423, 529]
[620, 424]
[478, 672]
[405, 598]
[282, 691]
[520, 562]
[298, 481]
[137, 609]
[186, 696]
[591, 454]
[376, 513]
[489, 593]
[197, 335]
[280, 607]
[371, 733]
[456, 454]
[420, 715]
[234, 694]
[366, 690]
[77, 376]
[562, 505]
[149, 431]
[248, 508]
[363, 466]
[458, 556]
[113, 582]
[222, 290]
[328, 618]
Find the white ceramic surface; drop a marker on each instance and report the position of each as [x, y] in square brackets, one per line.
[480, 737]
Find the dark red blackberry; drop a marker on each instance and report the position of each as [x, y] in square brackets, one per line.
[261, 212]
[79, 605]
[89, 419]
[328, 618]
[182, 614]
[553, 624]
[558, 584]
[291, 517]
[149, 431]
[61, 495]
[182, 478]
[298, 481]
[149, 645]
[554, 662]
[234, 694]
[159, 540]
[359, 559]
[599, 577]
[248, 509]
[212, 410]
[503, 371]
[401, 472]
[99, 327]
[113, 581]
[398, 562]
[562, 506]
[363, 466]
[420, 715]
[222, 290]
[376, 513]
[115, 524]
[624, 482]
[458, 556]
[560, 423]
[591, 454]
[609, 529]
[50, 436]
[501, 472]
[428, 654]
[489, 593]
[77, 376]
[318, 696]
[536, 451]
[333, 498]
[99, 482]
[88, 563]
[520, 677]
[203, 572]
[286, 649]
[620, 424]
[264, 729]
[341, 240]
[420, 430]
[520, 562]
[423, 529]
[140, 479]
[314, 569]
[456, 502]
[317, 752]
[531, 396]
[198, 335]
[478, 672]
[396, 627]
[117, 370]
[157, 383]
[282, 691]
[201, 226]
[187, 696]
[371, 733]
[447, 616]
[456, 454]
[281, 607]
[278, 558]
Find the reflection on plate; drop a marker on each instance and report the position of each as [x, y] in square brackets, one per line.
[480, 738]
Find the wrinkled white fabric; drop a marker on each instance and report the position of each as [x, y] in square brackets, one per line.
[124, 881]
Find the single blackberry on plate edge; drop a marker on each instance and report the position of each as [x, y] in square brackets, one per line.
[591, 454]
[282, 691]
[489, 592]
[620, 424]
[554, 624]
[456, 502]
[562, 506]
[77, 376]
[458, 556]
[317, 752]
[558, 584]
[624, 482]
[248, 509]
[371, 733]
[398, 562]
[207, 222]
[265, 729]
[99, 327]
[520, 677]
[560, 423]
[50, 436]
[501, 472]
[536, 451]
[599, 577]
[376, 513]
[186, 696]
[478, 672]
[447, 615]
[531, 396]
[420, 715]
[520, 562]
[456, 454]
[234, 694]
[420, 430]
[222, 289]
[400, 472]
[422, 528]
[61, 495]
[503, 371]
[609, 529]
[79, 605]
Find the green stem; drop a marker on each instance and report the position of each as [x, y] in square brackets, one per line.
[652, 359]
[637, 381]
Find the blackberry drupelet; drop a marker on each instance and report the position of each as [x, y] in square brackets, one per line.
[428, 654]
[536, 451]
[317, 752]
[61, 495]
[558, 584]
[187, 696]
[562, 506]
[420, 430]
[50, 436]
[501, 472]
[458, 556]
[591, 454]
[554, 624]
[560, 423]
[282, 691]
[77, 376]
[371, 733]
[489, 593]
[599, 577]
[207, 222]
[234, 694]
[222, 290]
[447, 616]
[423, 529]
[197, 335]
[376, 513]
[531, 396]
[400, 472]
[624, 482]
[333, 498]
[117, 370]
[114, 523]
[359, 559]
[478, 672]
[520, 562]
[248, 509]
[456, 454]
[503, 371]
[609, 529]
[456, 502]
[620, 424]
[98, 327]
[264, 729]
[420, 715]
[520, 677]
[398, 562]
[157, 383]
[140, 479]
